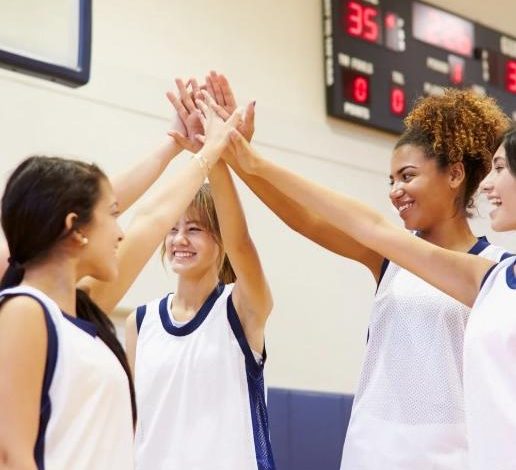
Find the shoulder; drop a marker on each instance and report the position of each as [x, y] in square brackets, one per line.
[21, 308]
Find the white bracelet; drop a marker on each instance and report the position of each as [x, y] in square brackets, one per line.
[203, 163]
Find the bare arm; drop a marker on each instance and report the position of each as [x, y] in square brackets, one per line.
[23, 350]
[308, 223]
[457, 274]
[159, 213]
[299, 218]
[132, 184]
[251, 294]
[131, 336]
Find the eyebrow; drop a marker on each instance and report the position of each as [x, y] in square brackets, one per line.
[402, 169]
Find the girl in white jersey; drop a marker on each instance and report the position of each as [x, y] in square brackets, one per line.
[408, 410]
[199, 353]
[65, 398]
[490, 288]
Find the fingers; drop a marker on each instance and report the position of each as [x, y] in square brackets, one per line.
[186, 97]
[178, 105]
[179, 138]
[248, 124]
[195, 88]
[217, 91]
[236, 118]
[209, 86]
[227, 93]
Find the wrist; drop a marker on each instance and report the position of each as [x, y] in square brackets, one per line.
[211, 153]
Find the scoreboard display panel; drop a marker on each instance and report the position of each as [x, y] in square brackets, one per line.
[380, 55]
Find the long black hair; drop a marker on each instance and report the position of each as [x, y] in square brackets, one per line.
[38, 196]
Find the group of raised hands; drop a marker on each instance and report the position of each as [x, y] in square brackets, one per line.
[208, 116]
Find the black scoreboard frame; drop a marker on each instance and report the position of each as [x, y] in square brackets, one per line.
[364, 76]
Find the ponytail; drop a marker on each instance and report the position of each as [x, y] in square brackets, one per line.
[88, 310]
[13, 275]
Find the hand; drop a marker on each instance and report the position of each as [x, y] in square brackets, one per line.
[188, 118]
[216, 130]
[219, 89]
[245, 155]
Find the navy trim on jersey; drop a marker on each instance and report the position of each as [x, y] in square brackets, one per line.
[510, 277]
[256, 388]
[196, 321]
[486, 275]
[479, 246]
[385, 265]
[50, 367]
[83, 324]
[506, 255]
[140, 315]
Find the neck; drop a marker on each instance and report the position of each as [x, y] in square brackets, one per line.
[192, 292]
[55, 277]
[453, 234]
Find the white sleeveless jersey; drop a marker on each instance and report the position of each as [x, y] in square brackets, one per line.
[200, 392]
[490, 372]
[85, 411]
[408, 411]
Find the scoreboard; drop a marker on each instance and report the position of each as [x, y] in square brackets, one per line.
[380, 55]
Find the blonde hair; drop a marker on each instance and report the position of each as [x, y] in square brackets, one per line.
[203, 207]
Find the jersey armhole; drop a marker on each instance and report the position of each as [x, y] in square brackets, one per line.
[505, 256]
[238, 331]
[140, 315]
[383, 268]
[48, 375]
[487, 274]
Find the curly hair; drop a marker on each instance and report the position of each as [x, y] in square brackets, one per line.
[457, 126]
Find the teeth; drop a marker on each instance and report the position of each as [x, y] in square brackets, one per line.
[404, 207]
[183, 254]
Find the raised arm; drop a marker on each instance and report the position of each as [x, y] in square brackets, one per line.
[251, 294]
[160, 212]
[299, 218]
[457, 274]
[132, 184]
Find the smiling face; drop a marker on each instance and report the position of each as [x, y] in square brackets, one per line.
[500, 189]
[421, 192]
[190, 247]
[98, 257]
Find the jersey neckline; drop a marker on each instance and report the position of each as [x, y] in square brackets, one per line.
[196, 321]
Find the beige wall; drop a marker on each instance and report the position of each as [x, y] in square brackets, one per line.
[272, 52]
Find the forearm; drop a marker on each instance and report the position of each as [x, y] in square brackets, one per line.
[229, 209]
[317, 199]
[147, 230]
[308, 223]
[132, 184]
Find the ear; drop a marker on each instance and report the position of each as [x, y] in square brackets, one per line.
[77, 236]
[456, 175]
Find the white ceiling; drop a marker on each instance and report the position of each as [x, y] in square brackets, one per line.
[501, 17]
